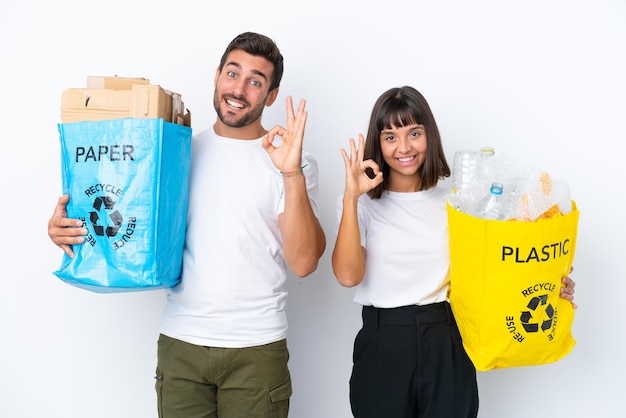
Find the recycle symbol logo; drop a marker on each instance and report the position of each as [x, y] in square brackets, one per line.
[104, 219]
[540, 306]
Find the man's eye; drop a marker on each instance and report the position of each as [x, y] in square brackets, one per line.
[230, 74]
[255, 83]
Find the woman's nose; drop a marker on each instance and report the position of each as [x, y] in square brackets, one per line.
[404, 145]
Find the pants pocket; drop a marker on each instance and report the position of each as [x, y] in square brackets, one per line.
[279, 399]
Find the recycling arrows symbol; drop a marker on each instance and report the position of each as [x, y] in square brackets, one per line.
[526, 317]
[104, 213]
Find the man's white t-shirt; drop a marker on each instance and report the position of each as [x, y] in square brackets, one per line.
[232, 292]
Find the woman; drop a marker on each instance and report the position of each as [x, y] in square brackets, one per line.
[392, 241]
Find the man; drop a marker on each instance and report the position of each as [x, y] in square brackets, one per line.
[222, 351]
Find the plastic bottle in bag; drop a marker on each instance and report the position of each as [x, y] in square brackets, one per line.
[493, 205]
[470, 175]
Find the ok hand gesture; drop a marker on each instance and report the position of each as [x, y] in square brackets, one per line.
[287, 157]
[357, 180]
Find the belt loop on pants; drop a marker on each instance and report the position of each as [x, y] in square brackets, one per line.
[449, 312]
[377, 318]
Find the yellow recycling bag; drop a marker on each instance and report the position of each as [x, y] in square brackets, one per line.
[504, 291]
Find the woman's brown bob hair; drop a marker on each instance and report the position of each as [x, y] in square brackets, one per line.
[398, 107]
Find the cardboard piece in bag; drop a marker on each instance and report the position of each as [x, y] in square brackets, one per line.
[140, 101]
[114, 82]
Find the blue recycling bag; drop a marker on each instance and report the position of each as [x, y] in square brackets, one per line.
[128, 181]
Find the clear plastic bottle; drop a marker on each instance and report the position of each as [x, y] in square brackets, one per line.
[493, 205]
[470, 166]
[469, 175]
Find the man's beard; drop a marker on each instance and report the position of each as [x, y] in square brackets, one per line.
[245, 120]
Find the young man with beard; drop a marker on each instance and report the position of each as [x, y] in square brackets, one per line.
[222, 351]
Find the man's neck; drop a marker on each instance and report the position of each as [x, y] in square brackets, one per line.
[253, 131]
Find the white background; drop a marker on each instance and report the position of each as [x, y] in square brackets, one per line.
[542, 80]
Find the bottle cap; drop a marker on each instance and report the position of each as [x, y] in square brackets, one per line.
[496, 188]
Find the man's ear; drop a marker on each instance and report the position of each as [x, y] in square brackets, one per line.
[271, 97]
